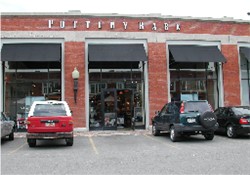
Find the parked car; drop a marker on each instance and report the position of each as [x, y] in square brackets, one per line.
[185, 118]
[233, 120]
[49, 120]
[7, 127]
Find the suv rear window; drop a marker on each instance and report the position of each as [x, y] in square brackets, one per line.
[50, 110]
[200, 106]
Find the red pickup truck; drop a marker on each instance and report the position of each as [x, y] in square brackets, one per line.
[48, 120]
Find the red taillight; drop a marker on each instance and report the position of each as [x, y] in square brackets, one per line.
[71, 122]
[182, 108]
[243, 121]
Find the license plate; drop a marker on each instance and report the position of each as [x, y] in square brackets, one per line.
[50, 124]
[191, 120]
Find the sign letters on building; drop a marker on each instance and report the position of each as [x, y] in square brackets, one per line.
[112, 25]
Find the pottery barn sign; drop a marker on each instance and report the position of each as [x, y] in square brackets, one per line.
[99, 25]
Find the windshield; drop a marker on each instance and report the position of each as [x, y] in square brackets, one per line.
[241, 110]
[50, 110]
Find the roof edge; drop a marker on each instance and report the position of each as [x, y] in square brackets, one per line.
[150, 15]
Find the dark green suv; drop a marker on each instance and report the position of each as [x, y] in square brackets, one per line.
[186, 118]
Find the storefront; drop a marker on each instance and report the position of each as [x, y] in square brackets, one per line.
[129, 66]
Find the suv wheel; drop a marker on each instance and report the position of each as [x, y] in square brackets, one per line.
[69, 141]
[173, 134]
[209, 136]
[208, 119]
[231, 133]
[155, 132]
[32, 142]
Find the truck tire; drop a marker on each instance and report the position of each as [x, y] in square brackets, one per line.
[208, 119]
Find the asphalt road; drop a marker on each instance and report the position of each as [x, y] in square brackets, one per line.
[127, 154]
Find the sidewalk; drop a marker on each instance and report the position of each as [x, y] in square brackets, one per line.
[98, 133]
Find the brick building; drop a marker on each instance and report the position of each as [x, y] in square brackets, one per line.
[129, 65]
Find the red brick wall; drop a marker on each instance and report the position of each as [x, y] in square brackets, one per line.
[75, 57]
[157, 77]
[40, 23]
[231, 75]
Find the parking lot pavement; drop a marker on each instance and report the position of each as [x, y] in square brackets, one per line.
[126, 152]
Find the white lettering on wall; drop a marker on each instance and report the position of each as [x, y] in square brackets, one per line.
[125, 24]
[99, 25]
[166, 26]
[112, 25]
[154, 26]
[74, 24]
[178, 27]
[87, 24]
[62, 24]
[50, 23]
[141, 26]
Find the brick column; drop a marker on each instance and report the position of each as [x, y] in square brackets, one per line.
[75, 57]
[231, 75]
[157, 75]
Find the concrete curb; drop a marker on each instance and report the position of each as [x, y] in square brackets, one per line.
[97, 133]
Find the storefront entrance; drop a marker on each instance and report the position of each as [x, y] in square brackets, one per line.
[116, 87]
[116, 109]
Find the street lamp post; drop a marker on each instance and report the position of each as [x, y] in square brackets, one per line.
[75, 76]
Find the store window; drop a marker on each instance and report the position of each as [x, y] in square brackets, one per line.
[245, 75]
[195, 83]
[32, 71]
[194, 73]
[26, 82]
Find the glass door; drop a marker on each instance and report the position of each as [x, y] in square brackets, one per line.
[109, 108]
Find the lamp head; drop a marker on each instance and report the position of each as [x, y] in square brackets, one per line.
[75, 74]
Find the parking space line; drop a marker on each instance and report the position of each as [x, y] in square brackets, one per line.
[15, 150]
[152, 138]
[93, 145]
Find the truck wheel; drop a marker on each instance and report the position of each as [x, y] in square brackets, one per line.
[31, 142]
[208, 119]
[155, 132]
[209, 136]
[173, 134]
[231, 133]
[70, 141]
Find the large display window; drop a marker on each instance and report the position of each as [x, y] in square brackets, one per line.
[26, 82]
[194, 72]
[195, 84]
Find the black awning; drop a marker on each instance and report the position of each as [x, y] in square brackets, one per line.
[117, 52]
[246, 52]
[195, 53]
[31, 52]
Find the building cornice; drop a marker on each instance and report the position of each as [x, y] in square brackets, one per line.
[116, 15]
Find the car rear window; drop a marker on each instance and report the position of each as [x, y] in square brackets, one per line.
[241, 110]
[196, 107]
[50, 110]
